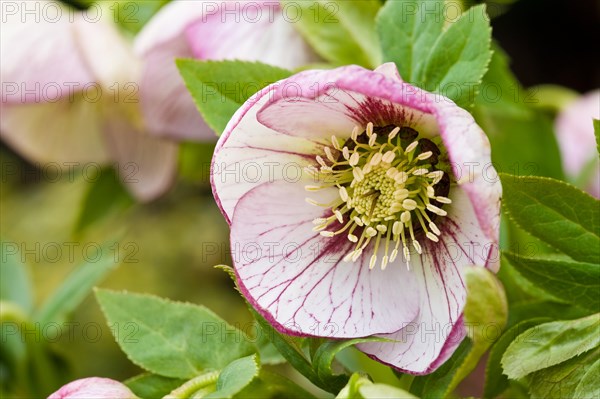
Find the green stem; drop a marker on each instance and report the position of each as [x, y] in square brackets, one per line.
[194, 385]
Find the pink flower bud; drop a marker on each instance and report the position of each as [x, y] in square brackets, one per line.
[93, 388]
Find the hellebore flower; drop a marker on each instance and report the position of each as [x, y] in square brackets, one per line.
[208, 30]
[577, 143]
[355, 200]
[69, 96]
[93, 388]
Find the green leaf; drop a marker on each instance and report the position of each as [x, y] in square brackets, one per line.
[219, 88]
[485, 307]
[460, 58]
[557, 213]
[289, 347]
[152, 386]
[522, 137]
[563, 380]
[76, 287]
[15, 283]
[407, 32]
[104, 196]
[171, 339]
[363, 388]
[235, 377]
[550, 344]
[577, 283]
[271, 385]
[534, 309]
[324, 357]
[435, 385]
[340, 31]
[597, 133]
[588, 386]
[495, 381]
[132, 15]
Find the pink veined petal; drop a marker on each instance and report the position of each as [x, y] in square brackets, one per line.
[168, 107]
[575, 135]
[147, 165]
[93, 388]
[41, 58]
[318, 104]
[470, 156]
[297, 279]
[251, 31]
[65, 132]
[249, 154]
[432, 337]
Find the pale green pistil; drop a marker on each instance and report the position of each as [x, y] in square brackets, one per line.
[386, 192]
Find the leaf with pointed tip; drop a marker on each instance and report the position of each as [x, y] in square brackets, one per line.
[556, 212]
[219, 88]
[551, 344]
[171, 339]
[577, 283]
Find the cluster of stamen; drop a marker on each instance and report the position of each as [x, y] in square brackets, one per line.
[390, 191]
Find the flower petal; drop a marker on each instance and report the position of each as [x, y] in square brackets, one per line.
[41, 60]
[297, 279]
[147, 165]
[250, 31]
[575, 135]
[93, 388]
[470, 156]
[433, 336]
[249, 154]
[64, 132]
[168, 107]
[318, 104]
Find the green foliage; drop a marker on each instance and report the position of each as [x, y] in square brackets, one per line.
[340, 31]
[235, 377]
[76, 287]
[576, 379]
[15, 284]
[171, 339]
[557, 213]
[495, 381]
[486, 306]
[130, 15]
[359, 387]
[522, 136]
[451, 61]
[577, 283]
[105, 195]
[219, 88]
[550, 344]
[597, 134]
[151, 386]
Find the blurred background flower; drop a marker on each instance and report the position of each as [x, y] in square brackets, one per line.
[208, 30]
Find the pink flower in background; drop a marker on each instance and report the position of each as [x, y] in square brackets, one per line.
[208, 30]
[354, 207]
[69, 96]
[577, 143]
[93, 388]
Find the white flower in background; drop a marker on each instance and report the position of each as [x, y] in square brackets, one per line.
[577, 143]
[70, 96]
[208, 30]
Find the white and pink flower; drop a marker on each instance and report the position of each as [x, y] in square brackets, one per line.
[69, 97]
[93, 388]
[355, 201]
[208, 30]
[577, 143]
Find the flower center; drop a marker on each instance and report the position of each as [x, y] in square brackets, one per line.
[390, 191]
